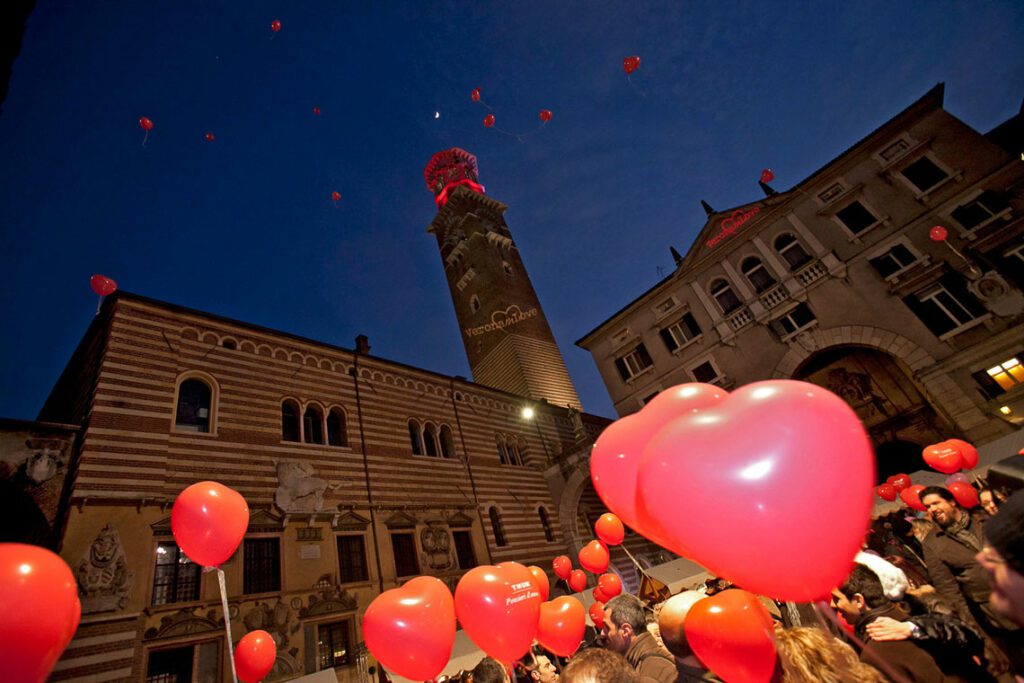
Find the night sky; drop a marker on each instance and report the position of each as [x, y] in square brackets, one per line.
[244, 226]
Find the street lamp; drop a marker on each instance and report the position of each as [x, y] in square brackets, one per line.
[528, 414]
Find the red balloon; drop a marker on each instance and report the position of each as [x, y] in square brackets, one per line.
[562, 566]
[755, 445]
[545, 115]
[541, 579]
[596, 612]
[411, 629]
[275, 26]
[209, 136]
[610, 585]
[475, 95]
[631, 64]
[965, 494]
[599, 595]
[316, 110]
[968, 452]
[938, 234]
[943, 457]
[767, 175]
[561, 625]
[886, 492]
[336, 196]
[40, 607]
[146, 124]
[594, 557]
[899, 481]
[498, 607]
[254, 656]
[102, 285]
[489, 120]
[609, 529]
[731, 633]
[577, 580]
[615, 458]
[912, 497]
[208, 521]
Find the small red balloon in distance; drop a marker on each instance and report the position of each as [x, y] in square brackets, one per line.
[146, 124]
[594, 557]
[912, 497]
[275, 25]
[767, 175]
[489, 120]
[254, 656]
[938, 234]
[475, 95]
[41, 611]
[411, 629]
[561, 625]
[899, 481]
[562, 566]
[610, 585]
[965, 494]
[886, 492]
[210, 137]
[336, 196]
[577, 580]
[498, 607]
[596, 611]
[731, 633]
[609, 529]
[541, 579]
[631, 64]
[102, 285]
[943, 457]
[968, 453]
[545, 115]
[316, 110]
[208, 521]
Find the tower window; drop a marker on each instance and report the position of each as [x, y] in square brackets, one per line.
[193, 414]
[497, 527]
[474, 303]
[430, 440]
[313, 425]
[502, 452]
[447, 442]
[337, 431]
[415, 439]
[507, 267]
[290, 421]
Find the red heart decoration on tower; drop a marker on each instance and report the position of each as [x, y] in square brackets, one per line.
[594, 557]
[731, 633]
[498, 606]
[411, 630]
[797, 469]
[943, 457]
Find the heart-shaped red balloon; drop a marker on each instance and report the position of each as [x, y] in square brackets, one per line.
[208, 521]
[498, 606]
[562, 566]
[541, 579]
[965, 494]
[577, 580]
[561, 625]
[599, 595]
[411, 629]
[968, 452]
[609, 529]
[899, 481]
[731, 633]
[594, 557]
[610, 585]
[943, 457]
[886, 492]
[255, 655]
[912, 497]
[596, 612]
[756, 448]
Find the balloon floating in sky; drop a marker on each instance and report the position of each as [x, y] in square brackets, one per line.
[316, 110]
[275, 25]
[489, 120]
[767, 175]
[336, 196]
[102, 285]
[475, 95]
[631, 64]
[545, 115]
[210, 137]
[146, 125]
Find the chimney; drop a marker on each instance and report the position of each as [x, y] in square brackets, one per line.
[363, 345]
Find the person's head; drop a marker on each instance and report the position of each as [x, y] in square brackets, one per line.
[490, 670]
[596, 665]
[670, 622]
[862, 591]
[540, 667]
[809, 655]
[1003, 559]
[940, 505]
[988, 501]
[624, 620]
[922, 527]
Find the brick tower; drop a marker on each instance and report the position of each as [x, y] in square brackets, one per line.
[507, 338]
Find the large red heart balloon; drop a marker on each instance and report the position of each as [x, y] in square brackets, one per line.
[40, 608]
[577, 580]
[609, 529]
[541, 579]
[965, 494]
[498, 606]
[561, 625]
[610, 585]
[912, 497]
[943, 457]
[594, 557]
[731, 633]
[411, 629]
[254, 656]
[562, 566]
[968, 452]
[208, 521]
[756, 448]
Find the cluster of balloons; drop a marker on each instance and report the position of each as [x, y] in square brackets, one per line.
[696, 449]
[544, 115]
[893, 486]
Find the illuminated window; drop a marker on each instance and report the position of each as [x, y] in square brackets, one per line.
[333, 645]
[1008, 374]
[176, 578]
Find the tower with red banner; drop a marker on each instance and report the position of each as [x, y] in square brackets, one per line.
[507, 338]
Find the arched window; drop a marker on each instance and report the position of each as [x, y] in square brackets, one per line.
[496, 527]
[474, 303]
[430, 439]
[758, 275]
[193, 414]
[447, 442]
[549, 534]
[726, 298]
[337, 429]
[415, 438]
[792, 252]
[313, 424]
[515, 457]
[502, 453]
[290, 421]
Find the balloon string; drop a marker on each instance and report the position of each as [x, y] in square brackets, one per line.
[635, 563]
[635, 87]
[144, 138]
[227, 621]
[98, 304]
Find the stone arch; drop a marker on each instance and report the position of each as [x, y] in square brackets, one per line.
[247, 346]
[295, 357]
[190, 333]
[211, 338]
[264, 350]
[325, 364]
[280, 354]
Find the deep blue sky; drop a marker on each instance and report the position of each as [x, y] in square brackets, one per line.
[244, 227]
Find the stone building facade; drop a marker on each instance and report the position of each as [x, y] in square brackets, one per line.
[844, 281]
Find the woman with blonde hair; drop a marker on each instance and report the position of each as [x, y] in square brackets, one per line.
[809, 655]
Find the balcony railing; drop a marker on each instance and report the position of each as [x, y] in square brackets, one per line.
[740, 319]
[774, 296]
[811, 273]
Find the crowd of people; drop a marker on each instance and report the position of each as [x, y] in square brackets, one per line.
[936, 598]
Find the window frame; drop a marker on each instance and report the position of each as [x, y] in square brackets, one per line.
[785, 334]
[497, 526]
[349, 628]
[879, 254]
[173, 585]
[795, 243]
[342, 415]
[918, 303]
[361, 538]
[719, 375]
[713, 287]
[472, 550]
[411, 533]
[415, 436]
[683, 328]
[446, 438]
[758, 289]
[321, 422]
[979, 197]
[642, 354]
[920, 193]
[213, 387]
[545, 522]
[298, 420]
[855, 235]
[245, 564]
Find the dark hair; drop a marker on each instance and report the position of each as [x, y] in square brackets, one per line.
[864, 581]
[937, 491]
[489, 670]
[597, 665]
[627, 609]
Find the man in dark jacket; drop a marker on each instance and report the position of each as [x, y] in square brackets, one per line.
[861, 601]
[625, 632]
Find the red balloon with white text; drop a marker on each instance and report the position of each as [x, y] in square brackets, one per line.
[498, 607]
